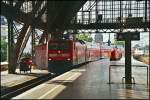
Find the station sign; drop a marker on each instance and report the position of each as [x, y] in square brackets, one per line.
[134, 20]
[128, 35]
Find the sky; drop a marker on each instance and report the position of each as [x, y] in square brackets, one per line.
[144, 38]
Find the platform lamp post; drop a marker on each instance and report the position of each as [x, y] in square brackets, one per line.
[11, 52]
[128, 37]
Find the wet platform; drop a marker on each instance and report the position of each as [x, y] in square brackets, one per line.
[10, 80]
[91, 82]
[137, 68]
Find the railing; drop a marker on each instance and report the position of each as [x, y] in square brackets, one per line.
[119, 65]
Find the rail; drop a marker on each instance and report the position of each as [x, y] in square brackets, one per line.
[10, 92]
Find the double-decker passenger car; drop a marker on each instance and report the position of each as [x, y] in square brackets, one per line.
[111, 52]
[62, 55]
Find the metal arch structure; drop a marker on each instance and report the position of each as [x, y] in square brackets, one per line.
[11, 10]
[113, 15]
[54, 17]
[30, 13]
[97, 6]
[101, 9]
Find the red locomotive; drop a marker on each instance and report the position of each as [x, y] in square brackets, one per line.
[63, 55]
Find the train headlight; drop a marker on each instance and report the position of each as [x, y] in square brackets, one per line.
[49, 59]
[68, 59]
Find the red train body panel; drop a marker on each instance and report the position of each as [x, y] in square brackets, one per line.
[116, 54]
[63, 55]
[41, 56]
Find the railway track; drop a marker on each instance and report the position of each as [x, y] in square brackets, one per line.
[141, 58]
[10, 92]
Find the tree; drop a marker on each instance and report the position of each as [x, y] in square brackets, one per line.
[26, 54]
[119, 42]
[85, 37]
[3, 50]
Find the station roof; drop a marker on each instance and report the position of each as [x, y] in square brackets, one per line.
[59, 12]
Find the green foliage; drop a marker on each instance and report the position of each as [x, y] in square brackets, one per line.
[85, 37]
[3, 50]
[26, 54]
[119, 43]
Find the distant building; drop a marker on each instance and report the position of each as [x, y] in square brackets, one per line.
[4, 30]
[3, 20]
[4, 27]
[98, 38]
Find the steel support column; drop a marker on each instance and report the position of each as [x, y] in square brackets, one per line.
[19, 42]
[11, 67]
[33, 44]
[128, 37]
[128, 68]
[11, 57]
[145, 17]
[53, 28]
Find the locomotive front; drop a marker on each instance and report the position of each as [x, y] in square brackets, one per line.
[59, 56]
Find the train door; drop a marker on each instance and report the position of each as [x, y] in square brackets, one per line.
[86, 59]
[76, 53]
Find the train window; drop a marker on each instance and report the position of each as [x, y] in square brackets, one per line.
[52, 46]
[64, 46]
[58, 46]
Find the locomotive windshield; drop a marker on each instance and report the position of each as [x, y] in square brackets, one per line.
[58, 46]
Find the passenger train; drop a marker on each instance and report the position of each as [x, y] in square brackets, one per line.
[62, 55]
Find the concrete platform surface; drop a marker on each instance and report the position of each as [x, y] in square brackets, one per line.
[138, 70]
[10, 80]
[90, 82]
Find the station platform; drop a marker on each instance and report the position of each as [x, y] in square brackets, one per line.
[10, 80]
[91, 81]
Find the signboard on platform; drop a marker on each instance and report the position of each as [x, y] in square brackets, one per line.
[128, 35]
[134, 20]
